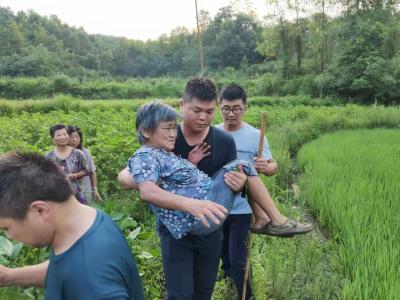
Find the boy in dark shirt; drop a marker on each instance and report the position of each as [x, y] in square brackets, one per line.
[38, 208]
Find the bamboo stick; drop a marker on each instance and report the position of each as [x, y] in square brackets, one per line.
[250, 239]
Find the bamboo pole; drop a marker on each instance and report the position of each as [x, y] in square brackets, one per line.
[200, 41]
[250, 239]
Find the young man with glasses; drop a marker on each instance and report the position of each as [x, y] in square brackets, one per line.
[233, 102]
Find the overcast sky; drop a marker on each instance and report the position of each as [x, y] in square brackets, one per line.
[136, 19]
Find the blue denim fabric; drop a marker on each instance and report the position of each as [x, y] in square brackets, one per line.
[173, 174]
[220, 193]
[179, 176]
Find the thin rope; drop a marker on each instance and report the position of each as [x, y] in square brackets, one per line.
[200, 42]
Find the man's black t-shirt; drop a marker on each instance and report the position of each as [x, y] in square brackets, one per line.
[222, 148]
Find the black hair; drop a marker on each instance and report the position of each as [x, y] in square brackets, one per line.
[72, 129]
[233, 92]
[200, 88]
[27, 177]
[54, 128]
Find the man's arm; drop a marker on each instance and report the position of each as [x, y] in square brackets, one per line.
[25, 276]
[126, 180]
[150, 192]
[266, 166]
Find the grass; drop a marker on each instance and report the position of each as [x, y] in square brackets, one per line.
[352, 182]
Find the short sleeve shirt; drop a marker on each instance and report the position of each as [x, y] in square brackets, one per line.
[173, 174]
[97, 266]
[246, 140]
[223, 150]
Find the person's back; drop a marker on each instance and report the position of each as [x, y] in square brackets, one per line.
[90, 257]
[86, 270]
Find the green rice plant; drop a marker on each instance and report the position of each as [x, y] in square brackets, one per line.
[351, 182]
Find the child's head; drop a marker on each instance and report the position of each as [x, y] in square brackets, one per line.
[29, 183]
[156, 123]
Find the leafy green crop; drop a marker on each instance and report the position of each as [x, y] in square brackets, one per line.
[300, 268]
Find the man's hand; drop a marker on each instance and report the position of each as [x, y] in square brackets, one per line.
[236, 180]
[198, 153]
[266, 166]
[205, 208]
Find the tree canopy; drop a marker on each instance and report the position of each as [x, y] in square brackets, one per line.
[354, 55]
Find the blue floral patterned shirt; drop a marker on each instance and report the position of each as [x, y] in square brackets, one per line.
[173, 174]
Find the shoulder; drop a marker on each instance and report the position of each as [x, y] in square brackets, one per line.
[86, 152]
[146, 157]
[222, 136]
[250, 129]
[224, 144]
[101, 271]
[77, 152]
[106, 232]
[148, 152]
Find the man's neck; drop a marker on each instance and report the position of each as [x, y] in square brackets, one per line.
[194, 137]
[231, 127]
[73, 220]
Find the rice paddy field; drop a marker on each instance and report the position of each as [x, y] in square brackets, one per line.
[345, 182]
[352, 183]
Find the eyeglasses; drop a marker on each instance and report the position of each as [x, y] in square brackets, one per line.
[228, 109]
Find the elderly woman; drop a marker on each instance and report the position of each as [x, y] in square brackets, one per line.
[162, 177]
[90, 180]
[69, 159]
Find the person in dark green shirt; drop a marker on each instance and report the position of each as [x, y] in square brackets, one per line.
[90, 258]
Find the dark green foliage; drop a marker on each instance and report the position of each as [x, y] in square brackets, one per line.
[299, 268]
[354, 56]
[364, 68]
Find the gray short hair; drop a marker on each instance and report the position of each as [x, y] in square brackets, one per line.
[149, 115]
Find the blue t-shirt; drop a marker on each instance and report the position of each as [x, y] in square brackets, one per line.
[97, 266]
[173, 174]
[246, 140]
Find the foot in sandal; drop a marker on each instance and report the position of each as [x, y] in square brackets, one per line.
[287, 229]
